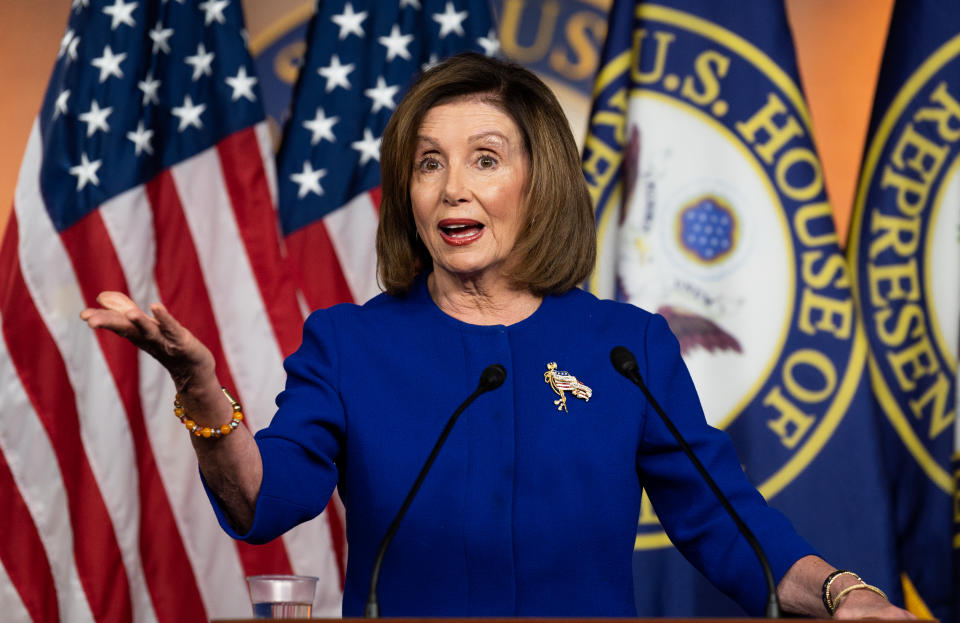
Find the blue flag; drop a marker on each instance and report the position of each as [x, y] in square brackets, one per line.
[711, 210]
[905, 248]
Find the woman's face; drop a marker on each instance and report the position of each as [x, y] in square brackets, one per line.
[470, 171]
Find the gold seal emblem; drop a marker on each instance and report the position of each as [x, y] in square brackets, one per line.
[562, 381]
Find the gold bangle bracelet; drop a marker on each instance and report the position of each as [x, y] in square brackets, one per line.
[862, 584]
[829, 601]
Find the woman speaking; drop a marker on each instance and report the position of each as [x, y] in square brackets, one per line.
[531, 507]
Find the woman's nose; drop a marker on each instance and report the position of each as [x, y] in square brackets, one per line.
[455, 188]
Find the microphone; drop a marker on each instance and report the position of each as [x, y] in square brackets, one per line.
[626, 364]
[491, 378]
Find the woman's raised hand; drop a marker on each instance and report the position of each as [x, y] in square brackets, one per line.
[160, 335]
[230, 464]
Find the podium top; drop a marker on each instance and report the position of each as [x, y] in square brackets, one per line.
[544, 620]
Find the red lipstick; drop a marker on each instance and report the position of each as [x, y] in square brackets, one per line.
[460, 231]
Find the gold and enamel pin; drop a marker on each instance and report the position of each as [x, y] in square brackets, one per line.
[561, 381]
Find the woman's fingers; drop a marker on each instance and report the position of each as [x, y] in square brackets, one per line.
[112, 314]
[118, 313]
[160, 335]
[117, 301]
[107, 319]
[180, 338]
[147, 328]
[169, 326]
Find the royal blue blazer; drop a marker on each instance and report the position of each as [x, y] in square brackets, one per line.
[528, 510]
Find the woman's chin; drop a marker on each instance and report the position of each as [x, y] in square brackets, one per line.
[470, 271]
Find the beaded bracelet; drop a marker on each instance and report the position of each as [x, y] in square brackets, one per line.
[207, 431]
[862, 584]
[829, 603]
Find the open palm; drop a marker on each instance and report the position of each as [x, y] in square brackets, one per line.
[160, 335]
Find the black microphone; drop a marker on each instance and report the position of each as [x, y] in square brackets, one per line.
[626, 364]
[491, 378]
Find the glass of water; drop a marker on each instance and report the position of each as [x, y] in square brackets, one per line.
[282, 596]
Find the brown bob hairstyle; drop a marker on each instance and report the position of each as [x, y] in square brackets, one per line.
[556, 247]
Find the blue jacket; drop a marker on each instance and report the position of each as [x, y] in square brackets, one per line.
[528, 510]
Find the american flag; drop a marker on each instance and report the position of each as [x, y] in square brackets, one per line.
[361, 57]
[148, 171]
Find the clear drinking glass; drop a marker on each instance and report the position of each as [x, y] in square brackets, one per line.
[282, 596]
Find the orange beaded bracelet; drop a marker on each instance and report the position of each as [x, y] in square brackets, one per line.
[207, 431]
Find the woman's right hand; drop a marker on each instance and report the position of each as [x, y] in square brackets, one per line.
[160, 335]
[231, 464]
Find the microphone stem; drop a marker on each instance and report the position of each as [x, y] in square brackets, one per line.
[372, 609]
[773, 603]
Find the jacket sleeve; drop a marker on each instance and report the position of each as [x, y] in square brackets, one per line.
[301, 446]
[686, 507]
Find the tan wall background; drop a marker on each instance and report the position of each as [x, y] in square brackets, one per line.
[839, 45]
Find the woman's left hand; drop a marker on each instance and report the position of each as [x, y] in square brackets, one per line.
[865, 604]
[800, 592]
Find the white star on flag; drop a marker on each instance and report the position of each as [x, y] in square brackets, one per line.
[200, 62]
[396, 44]
[86, 171]
[213, 11]
[433, 60]
[382, 95]
[349, 22]
[189, 114]
[369, 147]
[141, 139]
[336, 74]
[161, 37]
[309, 180]
[490, 43]
[65, 42]
[60, 106]
[109, 63]
[72, 49]
[414, 3]
[149, 87]
[96, 118]
[450, 20]
[120, 13]
[79, 4]
[322, 127]
[242, 85]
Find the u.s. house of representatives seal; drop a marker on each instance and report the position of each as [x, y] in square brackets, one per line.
[905, 236]
[712, 211]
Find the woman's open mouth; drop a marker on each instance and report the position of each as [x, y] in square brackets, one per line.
[457, 232]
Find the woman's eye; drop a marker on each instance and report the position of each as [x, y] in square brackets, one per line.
[487, 162]
[429, 164]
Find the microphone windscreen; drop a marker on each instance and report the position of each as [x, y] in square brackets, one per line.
[492, 377]
[623, 360]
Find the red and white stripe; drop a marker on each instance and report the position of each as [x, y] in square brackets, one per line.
[107, 520]
[335, 257]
